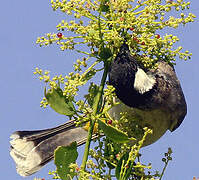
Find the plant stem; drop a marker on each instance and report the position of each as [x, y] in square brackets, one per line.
[95, 109]
[166, 163]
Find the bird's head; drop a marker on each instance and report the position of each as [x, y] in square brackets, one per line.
[129, 79]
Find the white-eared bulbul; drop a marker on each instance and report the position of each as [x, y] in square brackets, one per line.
[153, 96]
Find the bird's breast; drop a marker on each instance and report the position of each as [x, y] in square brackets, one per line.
[137, 119]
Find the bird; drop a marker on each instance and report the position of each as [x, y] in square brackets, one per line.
[153, 96]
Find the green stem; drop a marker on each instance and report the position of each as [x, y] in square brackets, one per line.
[95, 109]
[166, 164]
[89, 69]
[97, 101]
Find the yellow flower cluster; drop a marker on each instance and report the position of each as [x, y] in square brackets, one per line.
[137, 22]
[71, 82]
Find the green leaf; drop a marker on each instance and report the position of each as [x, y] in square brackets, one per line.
[90, 74]
[113, 133]
[120, 168]
[64, 156]
[59, 102]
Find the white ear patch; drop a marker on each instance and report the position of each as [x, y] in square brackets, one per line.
[143, 82]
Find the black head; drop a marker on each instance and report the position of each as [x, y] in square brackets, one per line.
[124, 48]
[124, 56]
[122, 75]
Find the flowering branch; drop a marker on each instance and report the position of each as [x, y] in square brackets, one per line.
[139, 24]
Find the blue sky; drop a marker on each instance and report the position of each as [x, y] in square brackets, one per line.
[21, 23]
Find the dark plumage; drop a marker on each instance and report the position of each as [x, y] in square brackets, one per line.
[31, 150]
[148, 89]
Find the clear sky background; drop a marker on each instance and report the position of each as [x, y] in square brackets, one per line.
[21, 22]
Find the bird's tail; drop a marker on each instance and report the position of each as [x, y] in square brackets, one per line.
[31, 150]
